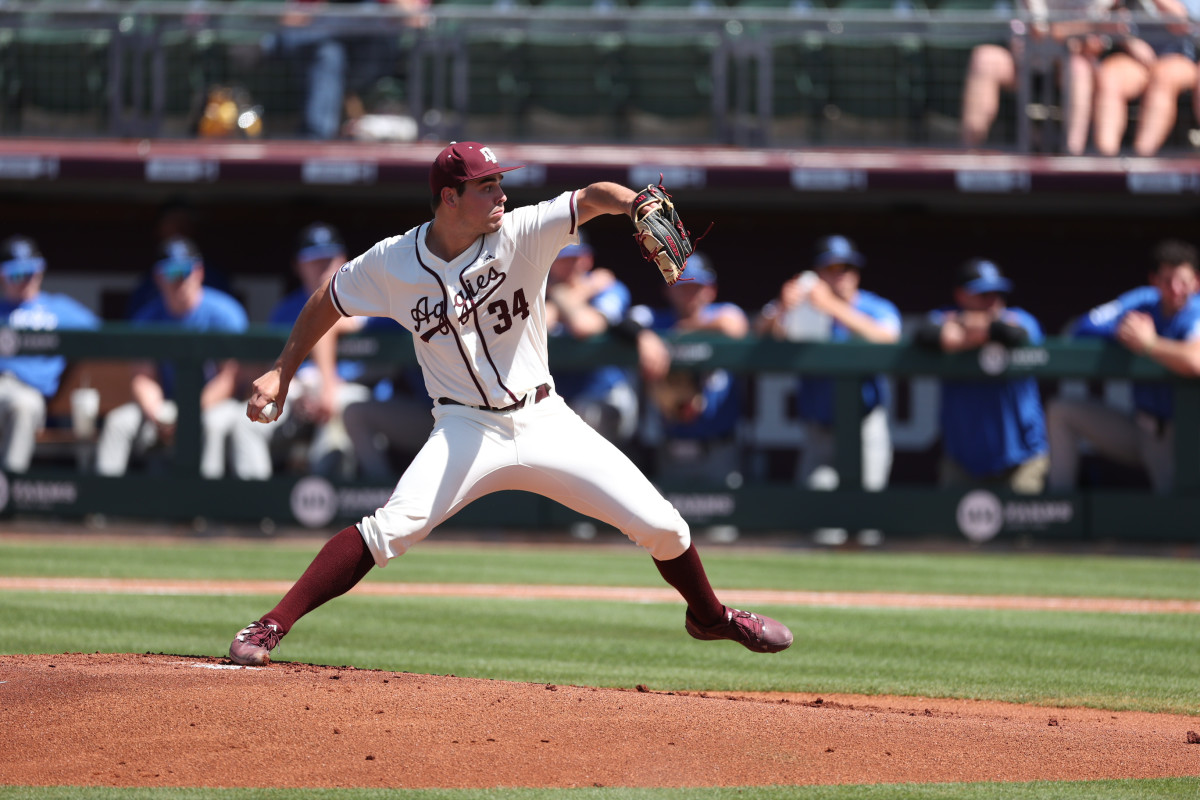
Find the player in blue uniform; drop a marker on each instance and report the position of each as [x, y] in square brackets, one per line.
[1162, 322]
[993, 432]
[828, 304]
[694, 418]
[185, 302]
[27, 382]
[583, 301]
[324, 385]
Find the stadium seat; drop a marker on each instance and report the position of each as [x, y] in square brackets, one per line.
[495, 87]
[573, 91]
[668, 86]
[56, 77]
[800, 88]
[792, 6]
[960, 26]
[874, 95]
[701, 6]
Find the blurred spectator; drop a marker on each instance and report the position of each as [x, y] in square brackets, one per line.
[831, 293]
[185, 302]
[27, 382]
[828, 304]
[176, 218]
[342, 57]
[388, 429]
[1162, 322]
[994, 68]
[583, 301]
[324, 385]
[993, 432]
[1156, 67]
[692, 421]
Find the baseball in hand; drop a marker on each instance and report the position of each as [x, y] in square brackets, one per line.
[269, 413]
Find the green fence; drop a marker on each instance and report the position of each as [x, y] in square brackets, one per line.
[178, 493]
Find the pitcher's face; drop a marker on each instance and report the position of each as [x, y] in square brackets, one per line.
[482, 204]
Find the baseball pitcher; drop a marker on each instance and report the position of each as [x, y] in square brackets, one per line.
[470, 286]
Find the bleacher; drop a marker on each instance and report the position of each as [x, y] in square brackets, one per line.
[744, 72]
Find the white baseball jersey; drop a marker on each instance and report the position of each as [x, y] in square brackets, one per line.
[479, 321]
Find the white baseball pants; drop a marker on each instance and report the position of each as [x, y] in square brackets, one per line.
[544, 448]
[815, 470]
[1112, 434]
[126, 431]
[22, 414]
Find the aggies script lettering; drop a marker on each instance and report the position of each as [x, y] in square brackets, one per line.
[476, 291]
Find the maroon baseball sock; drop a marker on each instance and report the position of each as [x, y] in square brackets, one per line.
[342, 563]
[687, 575]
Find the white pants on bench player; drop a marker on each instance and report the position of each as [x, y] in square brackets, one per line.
[22, 414]
[227, 434]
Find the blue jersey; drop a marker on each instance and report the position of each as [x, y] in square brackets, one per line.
[612, 302]
[216, 311]
[46, 312]
[989, 426]
[722, 402]
[287, 311]
[815, 401]
[1153, 398]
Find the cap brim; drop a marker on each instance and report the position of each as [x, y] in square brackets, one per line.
[22, 267]
[174, 268]
[319, 251]
[495, 171]
[986, 285]
[829, 259]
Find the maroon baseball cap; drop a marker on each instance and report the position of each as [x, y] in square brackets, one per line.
[461, 162]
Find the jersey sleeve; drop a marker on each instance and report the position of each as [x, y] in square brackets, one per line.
[359, 288]
[230, 316]
[1017, 316]
[76, 315]
[1102, 320]
[613, 302]
[540, 231]
[887, 315]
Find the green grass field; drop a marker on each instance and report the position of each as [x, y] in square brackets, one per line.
[1113, 661]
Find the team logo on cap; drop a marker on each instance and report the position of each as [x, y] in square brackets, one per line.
[988, 271]
[488, 155]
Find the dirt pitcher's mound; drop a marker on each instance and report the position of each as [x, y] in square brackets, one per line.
[162, 720]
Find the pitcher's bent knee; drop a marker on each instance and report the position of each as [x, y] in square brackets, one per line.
[665, 537]
[389, 532]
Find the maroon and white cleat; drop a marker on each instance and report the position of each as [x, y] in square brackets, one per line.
[253, 645]
[752, 631]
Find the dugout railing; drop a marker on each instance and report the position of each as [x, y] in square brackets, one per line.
[177, 493]
[744, 72]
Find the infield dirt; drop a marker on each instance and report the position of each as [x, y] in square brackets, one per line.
[172, 720]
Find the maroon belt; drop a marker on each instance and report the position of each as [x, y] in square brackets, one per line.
[539, 395]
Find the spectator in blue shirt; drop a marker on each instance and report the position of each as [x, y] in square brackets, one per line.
[993, 432]
[583, 301]
[1160, 321]
[693, 416]
[185, 302]
[27, 382]
[324, 385]
[827, 303]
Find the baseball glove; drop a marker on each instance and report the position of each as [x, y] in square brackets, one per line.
[660, 233]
